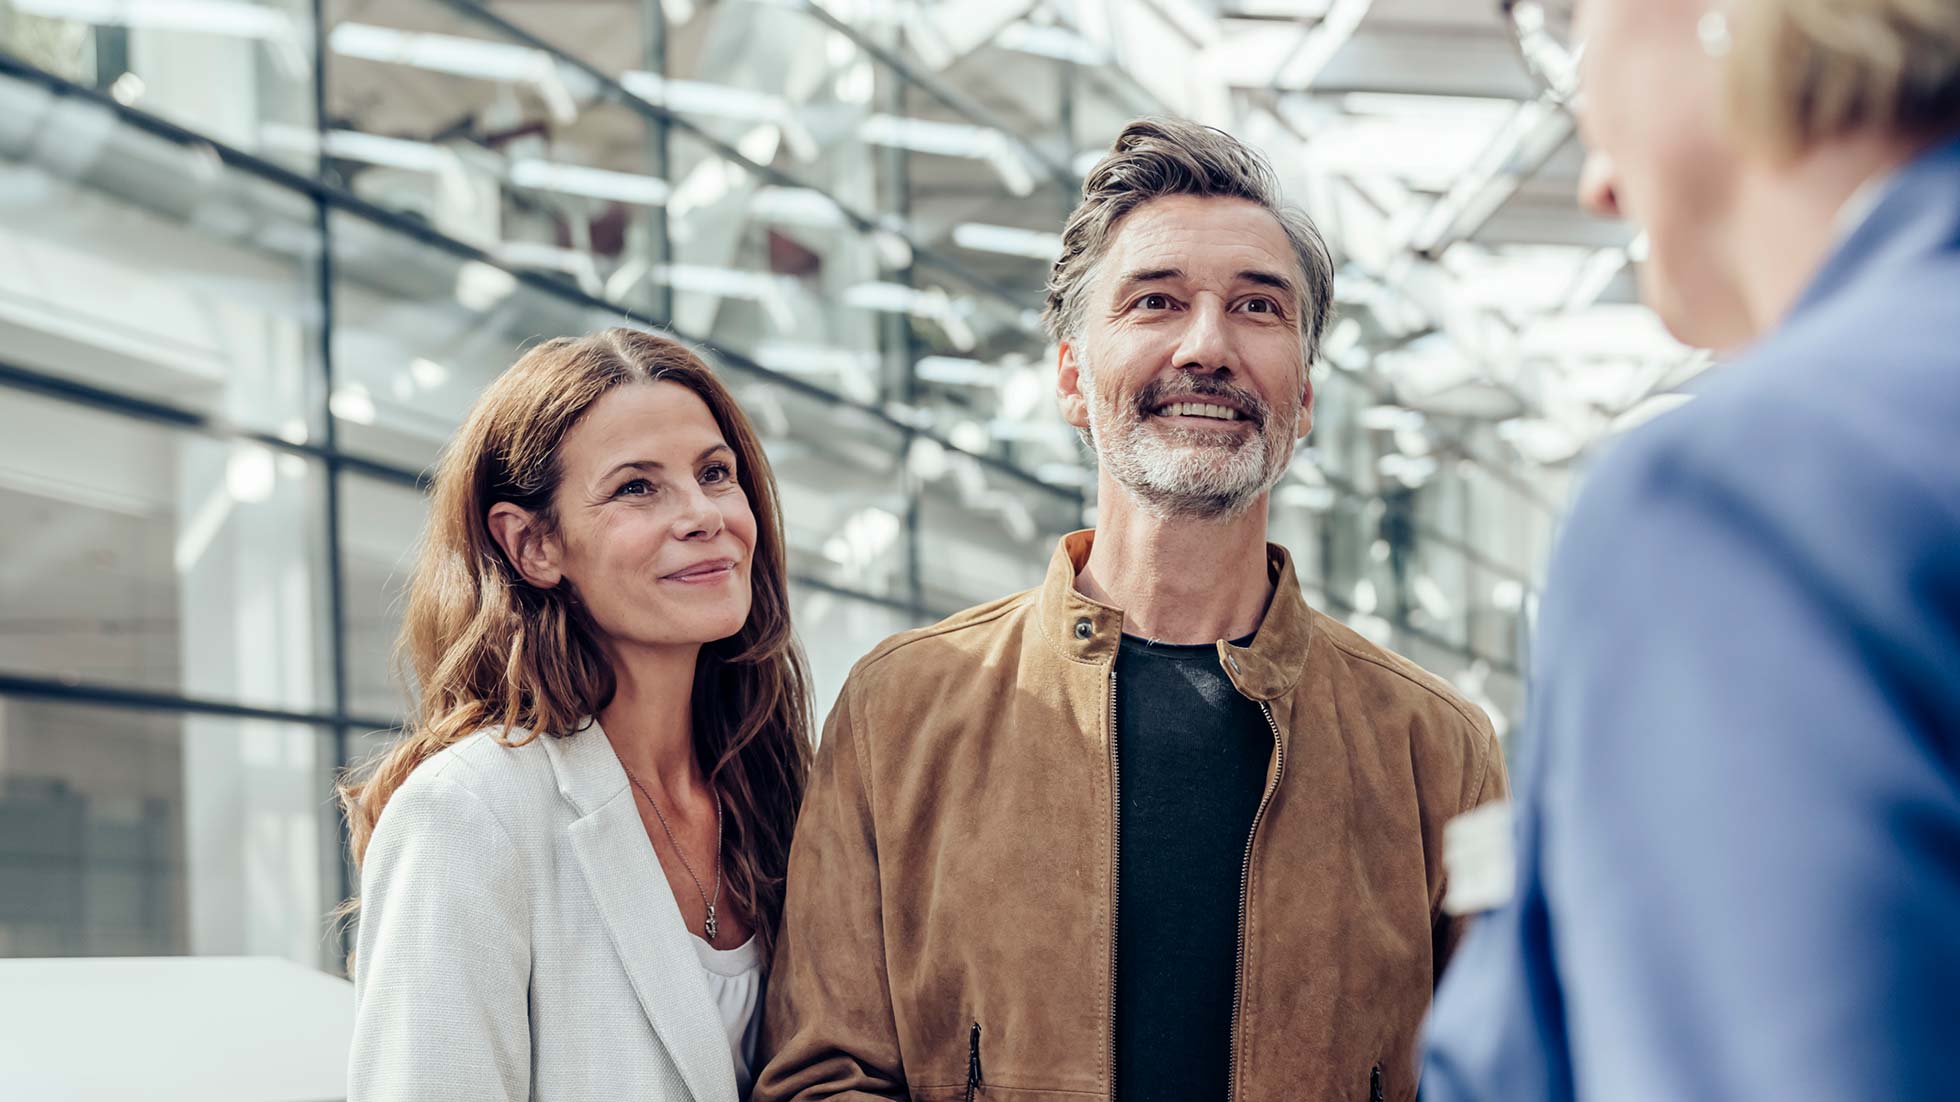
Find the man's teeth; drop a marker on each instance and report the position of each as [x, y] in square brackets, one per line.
[1200, 409]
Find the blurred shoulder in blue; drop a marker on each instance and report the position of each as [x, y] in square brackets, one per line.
[1739, 804]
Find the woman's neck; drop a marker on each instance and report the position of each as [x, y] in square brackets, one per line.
[1790, 216]
[650, 721]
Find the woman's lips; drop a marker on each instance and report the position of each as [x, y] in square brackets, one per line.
[707, 573]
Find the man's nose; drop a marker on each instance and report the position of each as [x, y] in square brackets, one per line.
[1205, 344]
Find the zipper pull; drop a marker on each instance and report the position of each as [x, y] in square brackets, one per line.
[973, 1082]
[1375, 1093]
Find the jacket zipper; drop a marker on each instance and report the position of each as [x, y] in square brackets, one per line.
[1375, 1092]
[1245, 883]
[1115, 870]
[974, 1080]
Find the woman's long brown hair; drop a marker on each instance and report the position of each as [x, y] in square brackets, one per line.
[488, 650]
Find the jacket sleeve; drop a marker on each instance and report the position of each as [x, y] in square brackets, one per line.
[1485, 781]
[442, 961]
[828, 1031]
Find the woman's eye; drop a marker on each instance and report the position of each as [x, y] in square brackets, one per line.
[635, 488]
[717, 473]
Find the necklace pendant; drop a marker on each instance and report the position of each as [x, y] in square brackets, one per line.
[711, 927]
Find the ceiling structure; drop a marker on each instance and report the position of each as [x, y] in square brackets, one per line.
[1477, 300]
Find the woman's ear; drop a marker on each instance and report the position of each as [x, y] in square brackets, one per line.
[526, 543]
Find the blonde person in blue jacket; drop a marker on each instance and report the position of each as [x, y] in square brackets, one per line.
[1738, 864]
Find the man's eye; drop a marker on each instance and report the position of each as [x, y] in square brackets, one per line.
[635, 488]
[1261, 306]
[1155, 302]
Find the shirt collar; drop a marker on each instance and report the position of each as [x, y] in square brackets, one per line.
[1088, 631]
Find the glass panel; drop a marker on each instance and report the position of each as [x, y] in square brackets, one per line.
[149, 268]
[419, 332]
[840, 478]
[142, 555]
[442, 116]
[380, 526]
[237, 71]
[364, 746]
[131, 833]
[836, 632]
[985, 534]
[775, 273]
[983, 372]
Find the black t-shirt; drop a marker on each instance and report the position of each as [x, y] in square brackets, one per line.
[1192, 755]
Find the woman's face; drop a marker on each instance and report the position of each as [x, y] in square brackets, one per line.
[653, 529]
[1650, 113]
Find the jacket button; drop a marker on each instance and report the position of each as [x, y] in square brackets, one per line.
[1084, 629]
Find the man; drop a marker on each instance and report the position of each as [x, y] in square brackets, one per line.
[1155, 830]
[1738, 863]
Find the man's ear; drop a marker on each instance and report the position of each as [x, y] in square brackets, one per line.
[1068, 386]
[530, 548]
[1305, 423]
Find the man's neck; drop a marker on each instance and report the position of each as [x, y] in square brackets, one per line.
[1178, 580]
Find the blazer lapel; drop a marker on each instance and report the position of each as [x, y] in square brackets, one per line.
[640, 914]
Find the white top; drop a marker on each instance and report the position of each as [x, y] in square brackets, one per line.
[735, 981]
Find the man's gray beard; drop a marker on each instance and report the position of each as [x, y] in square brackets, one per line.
[1175, 473]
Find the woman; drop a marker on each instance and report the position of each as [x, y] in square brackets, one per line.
[1738, 863]
[572, 866]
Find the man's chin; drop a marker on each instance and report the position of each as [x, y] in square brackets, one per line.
[1191, 437]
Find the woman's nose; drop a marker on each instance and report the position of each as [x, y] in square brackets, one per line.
[1597, 192]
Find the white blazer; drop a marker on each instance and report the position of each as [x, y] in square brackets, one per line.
[518, 940]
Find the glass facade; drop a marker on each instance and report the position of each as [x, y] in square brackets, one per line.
[257, 258]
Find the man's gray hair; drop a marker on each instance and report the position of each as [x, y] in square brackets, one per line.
[1156, 157]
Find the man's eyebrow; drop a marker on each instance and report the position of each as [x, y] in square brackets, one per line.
[1267, 279]
[1150, 275]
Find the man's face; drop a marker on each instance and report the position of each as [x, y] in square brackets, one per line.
[1657, 155]
[1189, 373]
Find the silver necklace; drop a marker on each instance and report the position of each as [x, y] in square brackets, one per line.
[710, 927]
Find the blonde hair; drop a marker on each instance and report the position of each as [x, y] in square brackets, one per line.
[1803, 71]
[490, 651]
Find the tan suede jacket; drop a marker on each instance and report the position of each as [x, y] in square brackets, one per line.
[950, 929]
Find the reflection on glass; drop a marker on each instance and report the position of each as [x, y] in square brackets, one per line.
[419, 331]
[835, 632]
[144, 556]
[148, 267]
[984, 534]
[232, 70]
[131, 833]
[380, 527]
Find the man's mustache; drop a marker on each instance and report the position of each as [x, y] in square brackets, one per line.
[1158, 392]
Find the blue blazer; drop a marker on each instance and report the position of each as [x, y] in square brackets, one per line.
[1738, 817]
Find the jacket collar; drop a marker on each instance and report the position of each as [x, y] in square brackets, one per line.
[1088, 631]
[1917, 212]
[630, 892]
